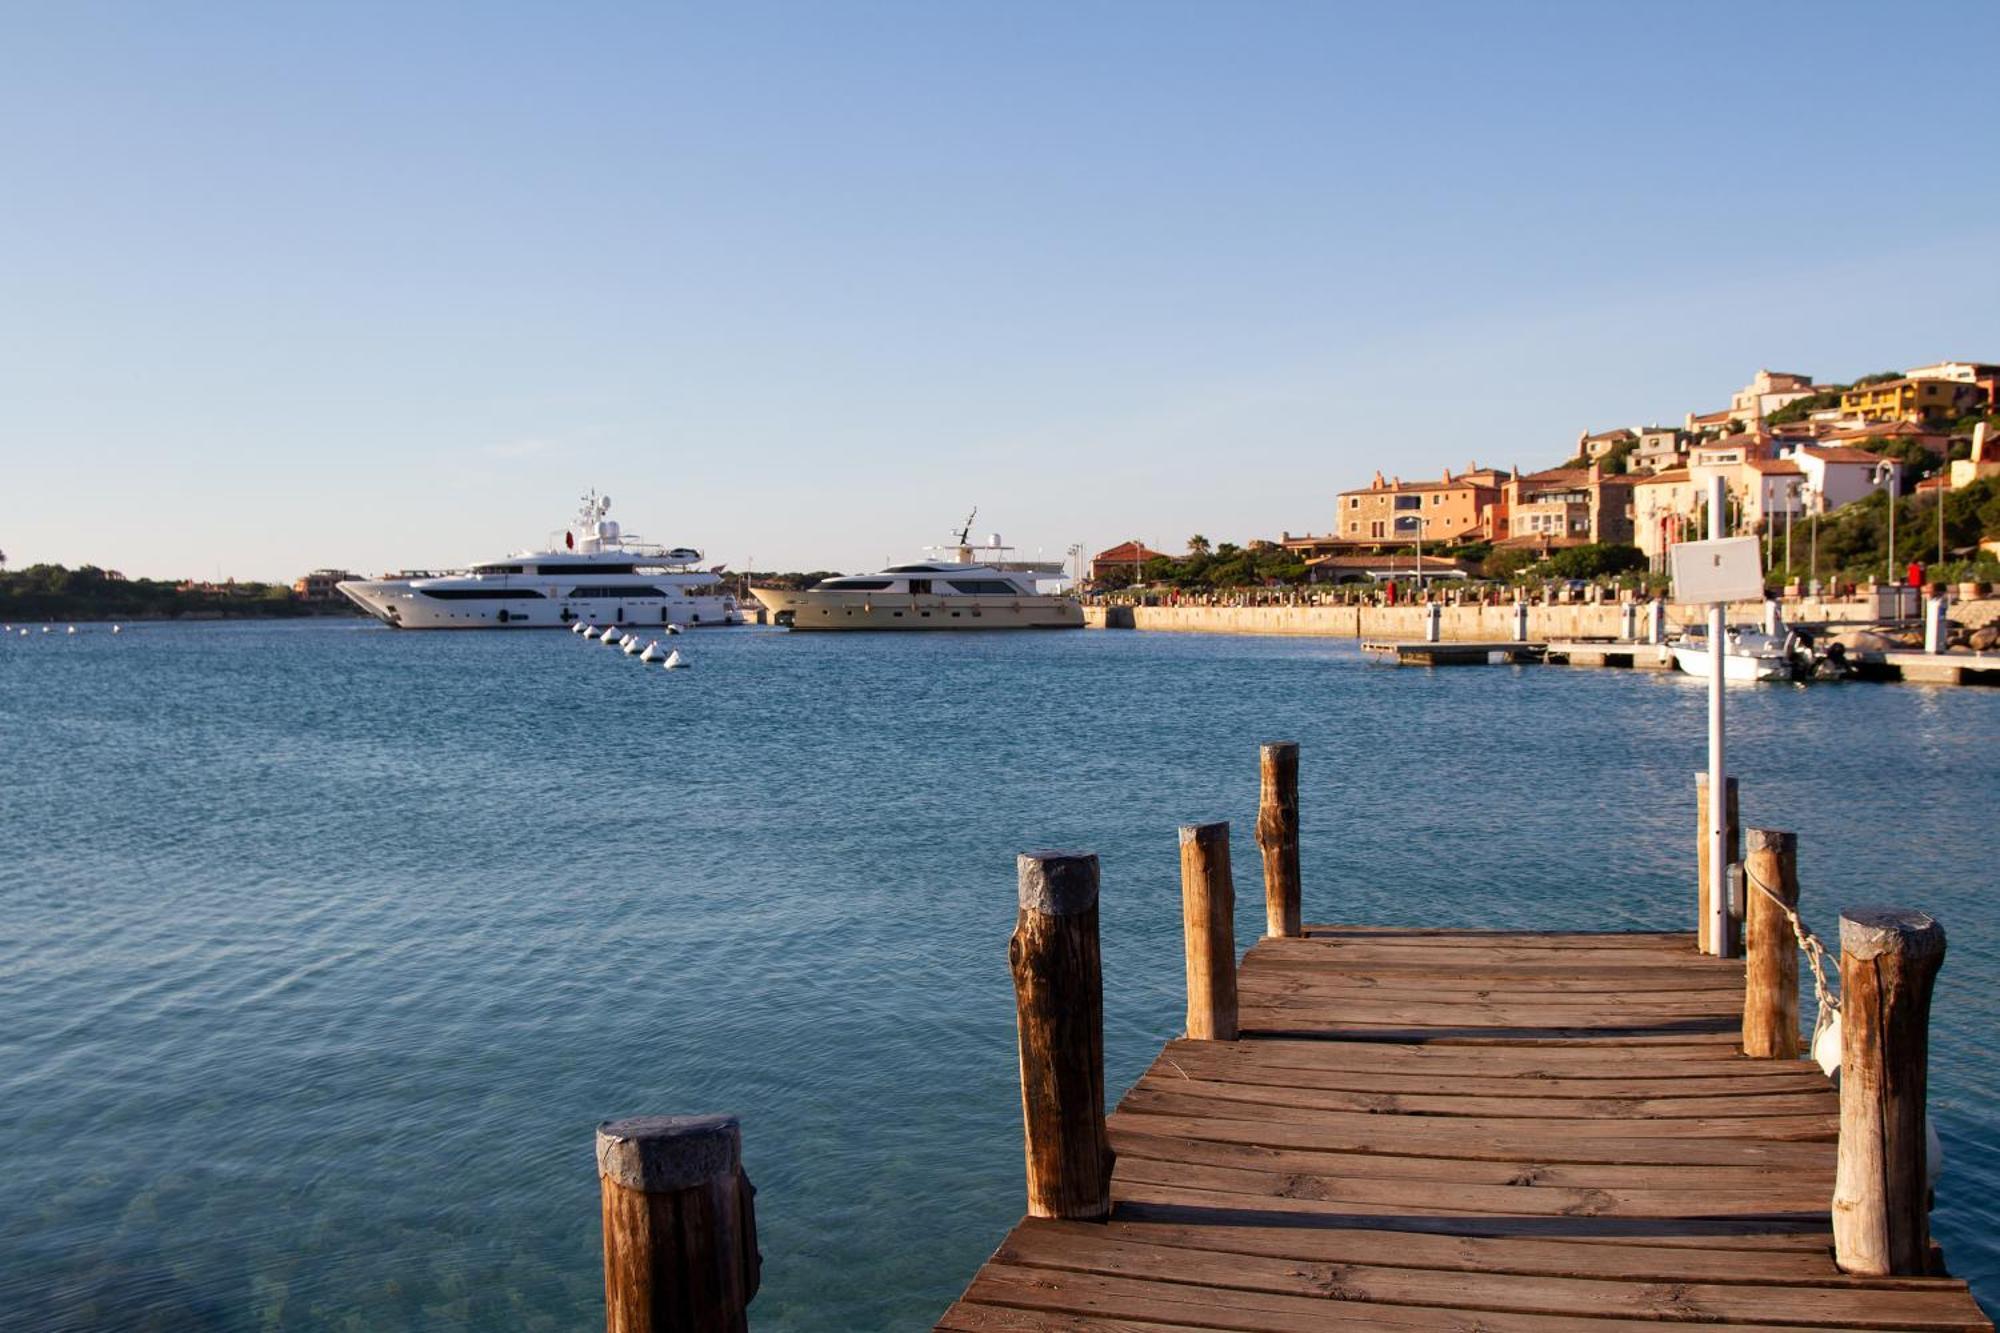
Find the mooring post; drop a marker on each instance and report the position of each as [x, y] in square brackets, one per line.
[1889, 960]
[1208, 913]
[1520, 621]
[1059, 1007]
[1628, 621]
[1278, 838]
[680, 1233]
[1656, 621]
[1771, 950]
[1433, 622]
[1936, 628]
[1734, 841]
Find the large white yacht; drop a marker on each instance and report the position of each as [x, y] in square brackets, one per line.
[966, 587]
[592, 572]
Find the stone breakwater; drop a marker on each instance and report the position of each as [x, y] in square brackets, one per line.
[1456, 623]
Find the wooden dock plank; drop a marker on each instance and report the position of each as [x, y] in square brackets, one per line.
[1455, 1129]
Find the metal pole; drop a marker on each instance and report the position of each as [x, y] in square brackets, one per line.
[1940, 505]
[1718, 807]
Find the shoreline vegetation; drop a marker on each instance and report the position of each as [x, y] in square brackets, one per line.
[52, 592]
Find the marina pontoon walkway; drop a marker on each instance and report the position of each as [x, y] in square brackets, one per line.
[1452, 1129]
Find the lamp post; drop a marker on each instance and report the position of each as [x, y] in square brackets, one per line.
[1417, 519]
[1942, 490]
[1810, 494]
[1891, 471]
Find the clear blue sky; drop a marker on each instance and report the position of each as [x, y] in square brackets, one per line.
[377, 284]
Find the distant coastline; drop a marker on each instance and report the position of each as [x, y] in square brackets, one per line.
[48, 593]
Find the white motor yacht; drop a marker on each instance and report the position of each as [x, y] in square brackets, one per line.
[977, 587]
[591, 572]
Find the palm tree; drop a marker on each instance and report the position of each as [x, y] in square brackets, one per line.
[1197, 545]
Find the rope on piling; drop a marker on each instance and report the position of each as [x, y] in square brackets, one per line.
[1826, 1004]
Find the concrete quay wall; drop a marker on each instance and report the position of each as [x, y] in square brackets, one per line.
[1456, 623]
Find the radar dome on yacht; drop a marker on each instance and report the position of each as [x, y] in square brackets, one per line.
[675, 660]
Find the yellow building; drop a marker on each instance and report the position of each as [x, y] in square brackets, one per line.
[1911, 399]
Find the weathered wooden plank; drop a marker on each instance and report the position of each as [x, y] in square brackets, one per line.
[1243, 1068]
[1514, 1200]
[1183, 1306]
[1601, 1059]
[1817, 1102]
[1938, 1308]
[1518, 1171]
[1358, 1243]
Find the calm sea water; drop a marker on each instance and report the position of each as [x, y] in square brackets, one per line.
[323, 948]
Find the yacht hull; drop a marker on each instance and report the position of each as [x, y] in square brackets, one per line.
[398, 604]
[832, 610]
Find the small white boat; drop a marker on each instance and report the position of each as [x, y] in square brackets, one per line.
[1747, 655]
[675, 661]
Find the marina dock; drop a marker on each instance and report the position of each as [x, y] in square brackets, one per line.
[1368, 1127]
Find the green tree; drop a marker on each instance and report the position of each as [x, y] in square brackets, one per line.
[1197, 545]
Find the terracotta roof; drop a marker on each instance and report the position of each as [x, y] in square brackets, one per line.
[1127, 551]
[1887, 430]
[1723, 415]
[1393, 487]
[1667, 478]
[1622, 433]
[1559, 474]
[1840, 453]
[1781, 467]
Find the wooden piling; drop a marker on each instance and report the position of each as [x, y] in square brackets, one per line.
[1889, 960]
[1734, 839]
[680, 1232]
[1059, 1006]
[1278, 838]
[1208, 912]
[1771, 958]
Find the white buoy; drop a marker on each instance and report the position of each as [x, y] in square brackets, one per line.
[631, 647]
[48, 629]
[673, 629]
[576, 627]
[675, 660]
[117, 629]
[605, 637]
[652, 653]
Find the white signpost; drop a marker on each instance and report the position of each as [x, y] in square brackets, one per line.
[1716, 572]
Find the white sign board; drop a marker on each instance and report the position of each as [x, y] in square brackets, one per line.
[1728, 570]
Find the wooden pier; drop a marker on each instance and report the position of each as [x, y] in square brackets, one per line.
[1506, 1131]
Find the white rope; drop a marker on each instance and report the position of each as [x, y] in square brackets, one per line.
[1826, 1004]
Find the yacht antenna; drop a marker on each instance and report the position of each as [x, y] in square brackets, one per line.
[965, 533]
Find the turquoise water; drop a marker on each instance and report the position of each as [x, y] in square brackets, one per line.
[323, 947]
